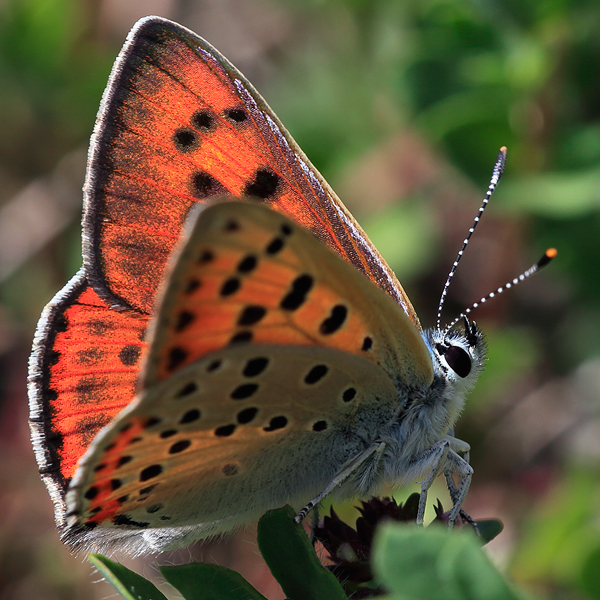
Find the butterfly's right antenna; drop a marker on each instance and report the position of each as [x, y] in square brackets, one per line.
[540, 264]
[497, 173]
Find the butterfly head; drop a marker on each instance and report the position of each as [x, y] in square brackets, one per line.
[458, 356]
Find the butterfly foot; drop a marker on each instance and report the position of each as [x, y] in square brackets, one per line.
[471, 521]
[303, 512]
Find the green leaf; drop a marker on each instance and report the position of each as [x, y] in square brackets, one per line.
[204, 581]
[489, 529]
[129, 584]
[292, 559]
[557, 537]
[590, 574]
[434, 564]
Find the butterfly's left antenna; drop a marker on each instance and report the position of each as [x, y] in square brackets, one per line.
[497, 173]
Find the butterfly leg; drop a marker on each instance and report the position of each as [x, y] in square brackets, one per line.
[463, 449]
[436, 455]
[457, 464]
[351, 467]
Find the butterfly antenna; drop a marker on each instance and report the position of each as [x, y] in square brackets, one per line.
[497, 173]
[546, 258]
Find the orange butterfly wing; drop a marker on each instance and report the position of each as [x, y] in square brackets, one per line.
[179, 124]
[247, 275]
[83, 372]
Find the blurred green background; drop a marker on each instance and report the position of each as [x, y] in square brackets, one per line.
[402, 106]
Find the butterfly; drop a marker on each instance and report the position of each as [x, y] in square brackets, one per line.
[233, 341]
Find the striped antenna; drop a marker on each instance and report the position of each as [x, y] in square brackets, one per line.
[546, 258]
[497, 173]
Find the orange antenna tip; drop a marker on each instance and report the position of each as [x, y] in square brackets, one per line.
[547, 257]
[503, 149]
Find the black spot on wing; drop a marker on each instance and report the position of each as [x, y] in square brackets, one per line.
[251, 315]
[204, 120]
[231, 226]
[237, 115]
[184, 319]
[247, 264]
[264, 185]
[129, 355]
[150, 472]
[225, 430]
[186, 390]
[316, 374]
[255, 366]
[177, 356]
[349, 394]
[180, 446]
[151, 422]
[230, 286]
[296, 297]
[192, 285]
[206, 256]
[242, 336]
[229, 470]
[203, 185]
[128, 521]
[215, 365]
[276, 423]
[247, 415]
[186, 139]
[91, 493]
[335, 320]
[241, 392]
[275, 246]
[190, 416]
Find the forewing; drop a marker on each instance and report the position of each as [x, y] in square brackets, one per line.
[178, 125]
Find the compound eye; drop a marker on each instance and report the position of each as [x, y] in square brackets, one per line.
[458, 360]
